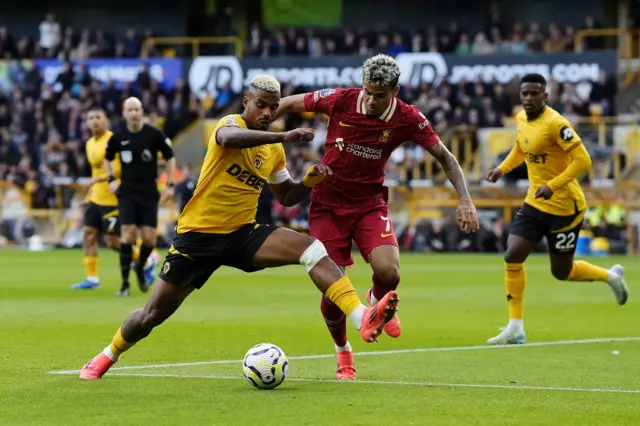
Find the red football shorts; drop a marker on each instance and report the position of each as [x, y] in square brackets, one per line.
[336, 228]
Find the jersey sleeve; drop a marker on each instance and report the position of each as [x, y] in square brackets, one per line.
[164, 145]
[113, 146]
[227, 121]
[565, 136]
[322, 101]
[279, 173]
[419, 130]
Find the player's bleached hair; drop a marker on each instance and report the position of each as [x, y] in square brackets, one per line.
[265, 83]
[381, 71]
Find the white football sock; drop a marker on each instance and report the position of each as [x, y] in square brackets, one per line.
[515, 323]
[372, 298]
[113, 357]
[356, 316]
[94, 280]
[345, 348]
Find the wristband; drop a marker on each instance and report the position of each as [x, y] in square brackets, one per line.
[110, 178]
[311, 181]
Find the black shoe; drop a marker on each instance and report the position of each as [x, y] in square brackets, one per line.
[138, 269]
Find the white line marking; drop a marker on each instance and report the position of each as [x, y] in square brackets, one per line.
[396, 383]
[377, 353]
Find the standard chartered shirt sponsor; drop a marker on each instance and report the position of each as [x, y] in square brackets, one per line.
[364, 152]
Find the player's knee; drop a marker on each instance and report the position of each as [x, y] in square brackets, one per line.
[512, 256]
[388, 273]
[561, 272]
[313, 254]
[90, 236]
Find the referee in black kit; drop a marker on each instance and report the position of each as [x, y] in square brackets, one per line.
[138, 198]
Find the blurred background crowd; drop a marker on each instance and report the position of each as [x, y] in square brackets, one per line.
[42, 129]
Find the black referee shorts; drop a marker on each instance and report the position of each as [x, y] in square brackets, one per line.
[139, 210]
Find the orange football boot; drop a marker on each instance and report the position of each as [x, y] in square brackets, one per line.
[346, 369]
[377, 316]
[96, 368]
[393, 327]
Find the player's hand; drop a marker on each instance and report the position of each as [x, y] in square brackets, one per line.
[89, 183]
[544, 192]
[114, 186]
[166, 194]
[316, 174]
[467, 215]
[299, 135]
[494, 175]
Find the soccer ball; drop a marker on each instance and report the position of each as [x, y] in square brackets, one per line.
[265, 366]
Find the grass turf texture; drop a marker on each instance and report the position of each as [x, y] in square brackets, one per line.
[446, 301]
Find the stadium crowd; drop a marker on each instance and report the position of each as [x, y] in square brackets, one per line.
[496, 37]
[42, 127]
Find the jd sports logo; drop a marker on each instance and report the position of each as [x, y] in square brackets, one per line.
[210, 73]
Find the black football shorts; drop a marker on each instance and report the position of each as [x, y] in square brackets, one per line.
[102, 218]
[561, 231]
[194, 256]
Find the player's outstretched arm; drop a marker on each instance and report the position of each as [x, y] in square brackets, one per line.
[290, 193]
[467, 216]
[294, 103]
[239, 138]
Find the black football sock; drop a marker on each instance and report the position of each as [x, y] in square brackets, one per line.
[126, 253]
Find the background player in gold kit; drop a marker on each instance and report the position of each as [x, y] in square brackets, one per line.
[101, 209]
[554, 206]
[217, 227]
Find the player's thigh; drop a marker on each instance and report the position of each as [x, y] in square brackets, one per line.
[149, 235]
[374, 229]
[92, 217]
[193, 258]
[385, 263]
[110, 220]
[562, 239]
[268, 246]
[334, 232]
[526, 231]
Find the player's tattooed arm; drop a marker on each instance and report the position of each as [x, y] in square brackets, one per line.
[452, 168]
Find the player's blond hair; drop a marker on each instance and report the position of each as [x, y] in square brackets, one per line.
[381, 71]
[266, 83]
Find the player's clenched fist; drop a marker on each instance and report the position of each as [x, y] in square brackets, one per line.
[494, 175]
[316, 174]
[299, 135]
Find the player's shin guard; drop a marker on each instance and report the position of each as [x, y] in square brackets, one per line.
[126, 252]
[380, 288]
[336, 322]
[515, 282]
[117, 347]
[585, 271]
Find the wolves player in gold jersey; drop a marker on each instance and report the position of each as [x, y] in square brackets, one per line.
[101, 211]
[554, 207]
[217, 227]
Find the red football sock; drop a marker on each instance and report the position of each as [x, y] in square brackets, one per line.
[380, 288]
[335, 320]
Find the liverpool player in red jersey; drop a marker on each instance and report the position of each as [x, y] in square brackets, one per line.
[365, 126]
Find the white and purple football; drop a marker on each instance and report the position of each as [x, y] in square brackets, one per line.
[265, 366]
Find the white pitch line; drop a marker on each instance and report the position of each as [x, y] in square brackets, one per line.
[395, 383]
[376, 353]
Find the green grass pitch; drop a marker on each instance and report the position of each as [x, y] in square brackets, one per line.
[568, 375]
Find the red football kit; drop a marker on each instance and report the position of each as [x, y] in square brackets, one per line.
[351, 205]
